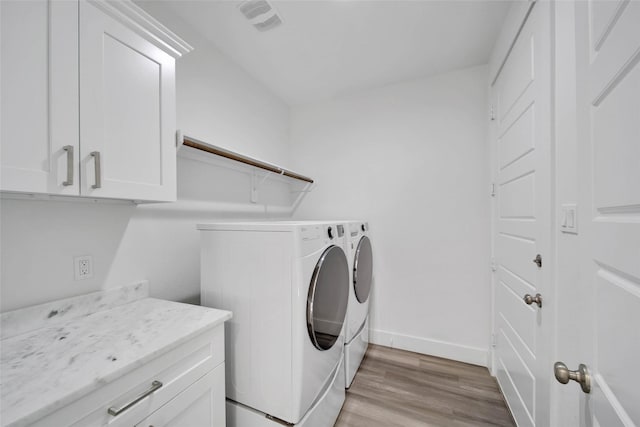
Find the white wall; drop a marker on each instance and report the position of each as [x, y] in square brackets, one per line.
[416, 159]
[413, 159]
[218, 102]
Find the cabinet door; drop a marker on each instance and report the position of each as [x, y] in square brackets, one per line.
[127, 111]
[200, 405]
[39, 96]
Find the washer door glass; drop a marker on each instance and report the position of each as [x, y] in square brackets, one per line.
[328, 297]
[363, 270]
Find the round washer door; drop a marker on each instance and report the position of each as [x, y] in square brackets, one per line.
[363, 269]
[328, 297]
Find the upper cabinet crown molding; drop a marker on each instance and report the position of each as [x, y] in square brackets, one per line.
[134, 17]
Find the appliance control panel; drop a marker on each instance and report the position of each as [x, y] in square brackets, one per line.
[310, 233]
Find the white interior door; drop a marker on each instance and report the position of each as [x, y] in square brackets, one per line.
[608, 78]
[523, 221]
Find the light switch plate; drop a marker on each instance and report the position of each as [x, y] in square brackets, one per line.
[569, 218]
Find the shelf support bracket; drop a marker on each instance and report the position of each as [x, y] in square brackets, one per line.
[301, 195]
[255, 184]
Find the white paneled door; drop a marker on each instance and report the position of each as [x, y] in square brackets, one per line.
[522, 145]
[608, 72]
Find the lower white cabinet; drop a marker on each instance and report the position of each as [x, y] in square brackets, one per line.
[182, 387]
[200, 405]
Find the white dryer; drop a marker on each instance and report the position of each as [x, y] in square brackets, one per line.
[288, 287]
[360, 257]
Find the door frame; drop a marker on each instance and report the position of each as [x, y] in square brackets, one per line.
[565, 401]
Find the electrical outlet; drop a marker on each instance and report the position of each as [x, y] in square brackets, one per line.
[83, 267]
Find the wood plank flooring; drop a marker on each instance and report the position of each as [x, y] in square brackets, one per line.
[400, 388]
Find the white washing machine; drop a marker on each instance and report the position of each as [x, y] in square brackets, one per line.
[360, 257]
[287, 285]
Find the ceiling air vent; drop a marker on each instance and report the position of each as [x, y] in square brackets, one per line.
[261, 14]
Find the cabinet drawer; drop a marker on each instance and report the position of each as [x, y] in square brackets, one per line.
[176, 370]
[200, 405]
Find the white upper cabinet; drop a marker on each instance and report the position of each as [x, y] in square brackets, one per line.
[39, 96]
[99, 77]
[127, 110]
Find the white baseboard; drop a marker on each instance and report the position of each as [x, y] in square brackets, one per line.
[462, 353]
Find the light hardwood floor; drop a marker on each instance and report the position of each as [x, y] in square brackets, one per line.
[400, 388]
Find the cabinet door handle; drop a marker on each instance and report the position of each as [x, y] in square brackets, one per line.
[96, 157]
[117, 411]
[69, 150]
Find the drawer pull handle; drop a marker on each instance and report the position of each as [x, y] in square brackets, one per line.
[117, 411]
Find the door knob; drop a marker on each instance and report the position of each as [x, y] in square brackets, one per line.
[528, 299]
[582, 376]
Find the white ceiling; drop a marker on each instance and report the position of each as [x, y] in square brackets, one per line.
[330, 48]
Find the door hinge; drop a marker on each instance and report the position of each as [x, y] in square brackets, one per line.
[493, 264]
[492, 114]
[493, 340]
[493, 189]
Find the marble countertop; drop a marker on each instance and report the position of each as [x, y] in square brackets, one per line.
[53, 363]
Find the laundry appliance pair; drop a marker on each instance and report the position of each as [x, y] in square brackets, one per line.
[288, 286]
